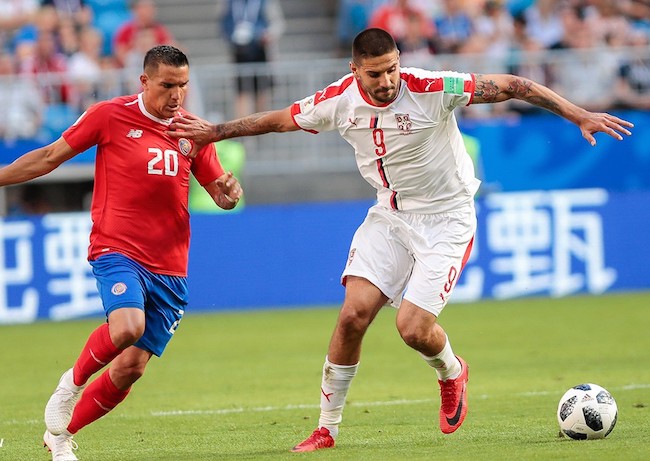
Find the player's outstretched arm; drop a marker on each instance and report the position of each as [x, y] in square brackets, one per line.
[203, 132]
[37, 162]
[225, 191]
[492, 88]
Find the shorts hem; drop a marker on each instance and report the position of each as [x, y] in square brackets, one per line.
[372, 279]
[117, 306]
[434, 310]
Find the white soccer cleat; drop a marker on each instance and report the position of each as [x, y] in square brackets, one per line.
[61, 446]
[58, 411]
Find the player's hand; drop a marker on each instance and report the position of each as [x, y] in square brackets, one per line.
[231, 191]
[192, 127]
[603, 123]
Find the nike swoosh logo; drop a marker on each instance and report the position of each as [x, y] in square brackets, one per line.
[454, 420]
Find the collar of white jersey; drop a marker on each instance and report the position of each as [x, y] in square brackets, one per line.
[164, 121]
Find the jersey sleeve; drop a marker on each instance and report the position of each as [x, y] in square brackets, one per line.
[311, 117]
[90, 129]
[318, 112]
[458, 89]
[206, 166]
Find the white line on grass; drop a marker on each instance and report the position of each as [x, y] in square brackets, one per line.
[226, 411]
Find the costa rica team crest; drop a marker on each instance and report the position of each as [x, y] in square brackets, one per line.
[185, 146]
[119, 288]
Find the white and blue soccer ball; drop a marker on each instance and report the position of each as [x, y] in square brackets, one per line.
[587, 411]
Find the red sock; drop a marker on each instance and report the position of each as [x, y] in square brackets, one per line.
[96, 354]
[100, 397]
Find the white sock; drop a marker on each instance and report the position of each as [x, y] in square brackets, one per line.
[334, 390]
[445, 363]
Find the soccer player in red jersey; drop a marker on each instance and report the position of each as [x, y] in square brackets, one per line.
[415, 240]
[140, 235]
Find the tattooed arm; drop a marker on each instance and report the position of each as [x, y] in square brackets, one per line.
[501, 87]
[203, 132]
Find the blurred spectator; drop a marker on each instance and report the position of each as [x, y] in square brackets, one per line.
[108, 16]
[14, 14]
[74, 10]
[493, 34]
[586, 69]
[85, 68]
[252, 27]
[453, 27]
[633, 85]
[638, 13]
[44, 20]
[397, 16]
[544, 22]
[607, 20]
[48, 66]
[110, 85]
[23, 104]
[144, 14]
[526, 58]
[415, 47]
[353, 16]
[68, 36]
[143, 40]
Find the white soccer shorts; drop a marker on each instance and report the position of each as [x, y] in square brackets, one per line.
[417, 257]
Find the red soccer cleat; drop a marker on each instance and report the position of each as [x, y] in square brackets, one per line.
[453, 396]
[318, 439]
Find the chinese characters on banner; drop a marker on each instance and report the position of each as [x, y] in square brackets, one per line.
[44, 270]
[536, 243]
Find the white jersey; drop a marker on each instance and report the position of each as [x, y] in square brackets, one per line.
[410, 150]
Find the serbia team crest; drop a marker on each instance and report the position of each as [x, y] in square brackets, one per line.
[185, 146]
[404, 123]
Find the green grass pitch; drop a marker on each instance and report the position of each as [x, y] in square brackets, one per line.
[245, 386]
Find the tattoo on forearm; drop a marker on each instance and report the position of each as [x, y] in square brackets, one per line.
[520, 88]
[247, 126]
[545, 103]
[488, 91]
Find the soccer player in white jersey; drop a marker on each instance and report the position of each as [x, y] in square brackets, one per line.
[414, 242]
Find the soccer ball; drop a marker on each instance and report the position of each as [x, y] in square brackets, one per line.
[587, 411]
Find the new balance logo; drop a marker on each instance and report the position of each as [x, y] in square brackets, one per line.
[134, 134]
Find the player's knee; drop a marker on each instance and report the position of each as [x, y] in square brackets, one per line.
[126, 335]
[353, 322]
[412, 334]
[124, 376]
[126, 326]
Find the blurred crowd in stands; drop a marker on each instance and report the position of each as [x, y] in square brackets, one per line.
[59, 56]
[593, 51]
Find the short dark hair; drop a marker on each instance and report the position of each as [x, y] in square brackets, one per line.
[164, 54]
[372, 43]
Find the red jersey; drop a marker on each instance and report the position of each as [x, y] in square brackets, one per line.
[142, 178]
